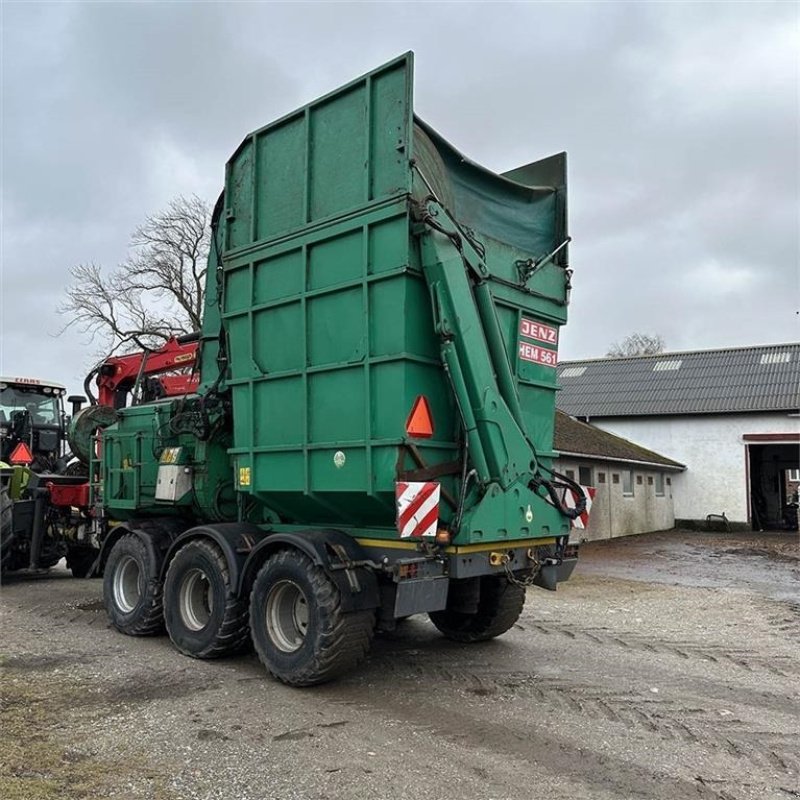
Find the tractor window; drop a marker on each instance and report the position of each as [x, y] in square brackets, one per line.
[44, 408]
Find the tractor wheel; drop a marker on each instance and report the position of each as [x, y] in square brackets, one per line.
[76, 469]
[80, 560]
[6, 528]
[132, 590]
[499, 606]
[299, 630]
[6, 514]
[203, 616]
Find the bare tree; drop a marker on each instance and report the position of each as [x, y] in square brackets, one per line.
[637, 344]
[157, 292]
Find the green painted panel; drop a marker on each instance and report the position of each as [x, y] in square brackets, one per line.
[388, 245]
[401, 320]
[388, 395]
[278, 338]
[279, 276]
[387, 324]
[326, 476]
[390, 128]
[394, 388]
[278, 472]
[239, 191]
[279, 406]
[337, 406]
[237, 290]
[280, 202]
[540, 425]
[243, 411]
[336, 260]
[336, 328]
[239, 331]
[338, 161]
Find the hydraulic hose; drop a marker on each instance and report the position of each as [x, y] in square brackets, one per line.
[562, 482]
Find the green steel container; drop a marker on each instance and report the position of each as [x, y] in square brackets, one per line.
[330, 320]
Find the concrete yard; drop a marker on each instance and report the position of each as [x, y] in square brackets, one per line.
[669, 668]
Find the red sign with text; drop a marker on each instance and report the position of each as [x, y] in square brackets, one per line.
[538, 355]
[535, 330]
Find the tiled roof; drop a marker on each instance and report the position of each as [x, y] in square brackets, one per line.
[762, 378]
[578, 438]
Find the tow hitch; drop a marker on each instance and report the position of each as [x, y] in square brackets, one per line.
[556, 568]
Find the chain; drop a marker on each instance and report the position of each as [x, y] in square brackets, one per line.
[527, 580]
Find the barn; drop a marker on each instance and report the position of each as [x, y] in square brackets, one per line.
[729, 415]
[633, 485]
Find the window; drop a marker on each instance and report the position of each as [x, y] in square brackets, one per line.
[570, 473]
[585, 476]
[627, 483]
[649, 480]
[39, 401]
[614, 478]
[794, 475]
[601, 477]
[669, 481]
[638, 480]
[659, 484]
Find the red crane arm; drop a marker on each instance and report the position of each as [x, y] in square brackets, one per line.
[117, 375]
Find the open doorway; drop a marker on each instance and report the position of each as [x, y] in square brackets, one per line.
[773, 493]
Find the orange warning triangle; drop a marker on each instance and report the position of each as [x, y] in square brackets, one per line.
[420, 421]
[21, 455]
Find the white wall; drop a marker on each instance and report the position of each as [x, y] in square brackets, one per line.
[713, 450]
[616, 514]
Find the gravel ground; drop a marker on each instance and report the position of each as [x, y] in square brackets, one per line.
[668, 667]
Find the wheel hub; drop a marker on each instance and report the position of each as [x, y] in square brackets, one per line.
[127, 587]
[286, 613]
[195, 600]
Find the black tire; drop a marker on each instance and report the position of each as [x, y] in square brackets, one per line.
[6, 519]
[204, 618]
[11, 558]
[288, 588]
[132, 590]
[76, 469]
[80, 560]
[499, 607]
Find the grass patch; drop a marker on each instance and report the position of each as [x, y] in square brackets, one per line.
[44, 757]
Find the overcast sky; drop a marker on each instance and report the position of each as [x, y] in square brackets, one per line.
[680, 121]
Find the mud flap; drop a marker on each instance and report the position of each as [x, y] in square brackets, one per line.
[420, 596]
[550, 575]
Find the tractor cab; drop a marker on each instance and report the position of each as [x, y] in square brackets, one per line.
[32, 423]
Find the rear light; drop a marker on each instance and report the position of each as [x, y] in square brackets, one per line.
[407, 571]
[443, 536]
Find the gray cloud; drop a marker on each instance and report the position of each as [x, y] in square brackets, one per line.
[681, 123]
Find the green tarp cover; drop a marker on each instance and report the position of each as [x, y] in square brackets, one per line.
[526, 217]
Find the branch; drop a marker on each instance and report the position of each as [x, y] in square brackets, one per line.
[157, 292]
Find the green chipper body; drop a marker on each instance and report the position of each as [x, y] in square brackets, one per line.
[381, 315]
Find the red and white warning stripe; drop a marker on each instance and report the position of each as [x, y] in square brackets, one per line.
[570, 501]
[417, 508]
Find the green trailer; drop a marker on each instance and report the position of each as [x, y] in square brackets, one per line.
[372, 436]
